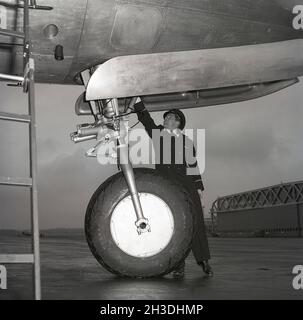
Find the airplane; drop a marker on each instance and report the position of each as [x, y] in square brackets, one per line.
[171, 54]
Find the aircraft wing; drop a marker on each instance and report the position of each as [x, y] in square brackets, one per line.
[159, 73]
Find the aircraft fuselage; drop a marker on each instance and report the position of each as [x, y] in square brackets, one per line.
[93, 31]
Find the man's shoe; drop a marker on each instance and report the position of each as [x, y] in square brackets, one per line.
[178, 273]
[207, 268]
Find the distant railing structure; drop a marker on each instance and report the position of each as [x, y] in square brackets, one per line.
[288, 195]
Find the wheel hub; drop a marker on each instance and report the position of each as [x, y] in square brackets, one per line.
[124, 230]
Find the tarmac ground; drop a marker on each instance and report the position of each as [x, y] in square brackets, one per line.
[245, 268]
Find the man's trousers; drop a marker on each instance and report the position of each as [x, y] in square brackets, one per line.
[200, 246]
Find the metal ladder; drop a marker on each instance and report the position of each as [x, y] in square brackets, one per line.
[28, 83]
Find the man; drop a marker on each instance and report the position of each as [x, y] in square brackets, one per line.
[174, 123]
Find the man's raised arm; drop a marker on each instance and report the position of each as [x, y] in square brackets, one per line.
[145, 118]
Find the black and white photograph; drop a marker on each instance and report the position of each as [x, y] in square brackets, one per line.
[151, 150]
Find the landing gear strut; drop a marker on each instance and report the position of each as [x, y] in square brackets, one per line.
[141, 223]
[109, 131]
[138, 223]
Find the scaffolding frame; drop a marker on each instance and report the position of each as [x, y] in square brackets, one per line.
[27, 81]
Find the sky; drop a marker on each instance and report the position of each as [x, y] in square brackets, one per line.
[249, 145]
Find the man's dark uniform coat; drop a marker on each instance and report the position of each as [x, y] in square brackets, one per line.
[177, 167]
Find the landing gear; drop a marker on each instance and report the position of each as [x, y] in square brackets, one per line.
[138, 223]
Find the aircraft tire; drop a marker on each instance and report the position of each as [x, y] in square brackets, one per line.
[112, 235]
